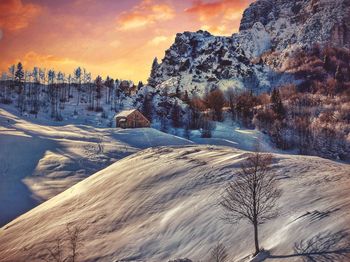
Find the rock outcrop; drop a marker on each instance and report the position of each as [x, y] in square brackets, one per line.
[197, 61]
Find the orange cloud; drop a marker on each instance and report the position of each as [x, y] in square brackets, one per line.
[15, 15]
[159, 39]
[32, 59]
[219, 17]
[146, 13]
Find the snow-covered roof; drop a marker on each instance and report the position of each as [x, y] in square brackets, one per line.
[125, 113]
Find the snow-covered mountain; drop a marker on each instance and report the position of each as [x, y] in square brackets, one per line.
[162, 203]
[200, 60]
[302, 22]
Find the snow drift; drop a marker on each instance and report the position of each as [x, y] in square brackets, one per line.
[161, 203]
[39, 161]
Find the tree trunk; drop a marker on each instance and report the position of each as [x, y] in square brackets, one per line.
[256, 239]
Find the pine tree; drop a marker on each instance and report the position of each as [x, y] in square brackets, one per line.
[109, 83]
[176, 115]
[339, 76]
[77, 74]
[186, 97]
[98, 86]
[147, 107]
[151, 81]
[327, 63]
[139, 85]
[277, 105]
[19, 76]
[52, 93]
[187, 122]
[36, 92]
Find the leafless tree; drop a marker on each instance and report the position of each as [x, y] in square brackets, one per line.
[218, 254]
[64, 250]
[253, 195]
[74, 242]
[54, 253]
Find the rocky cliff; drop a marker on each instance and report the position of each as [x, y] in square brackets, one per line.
[303, 22]
[199, 60]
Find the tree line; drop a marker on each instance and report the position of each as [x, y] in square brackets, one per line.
[40, 89]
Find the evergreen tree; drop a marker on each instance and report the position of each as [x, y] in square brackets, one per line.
[186, 97]
[98, 86]
[147, 107]
[187, 122]
[36, 92]
[77, 74]
[163, 122]
[277, 105]
[52, 93]
[176, 115]
[151, 81]
[327, 63]
[339, 76]
[19, 76]
[109, 83]
[139, 85]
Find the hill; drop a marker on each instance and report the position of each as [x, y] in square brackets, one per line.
[161, 204]
[39, 160]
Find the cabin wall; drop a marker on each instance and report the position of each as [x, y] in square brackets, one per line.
[134, 120]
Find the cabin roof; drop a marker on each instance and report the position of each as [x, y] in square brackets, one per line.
[125, 113]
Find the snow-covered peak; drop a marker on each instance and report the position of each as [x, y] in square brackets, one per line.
[302, 22]
[199, 60]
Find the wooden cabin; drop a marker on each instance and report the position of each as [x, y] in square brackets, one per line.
[131, 119]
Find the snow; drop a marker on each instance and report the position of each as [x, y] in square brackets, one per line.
[229, 133]
[255, 41]
[125, 113]
[39, 160]
[161, 203]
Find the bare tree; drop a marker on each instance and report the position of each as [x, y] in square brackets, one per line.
[54, 252]
[64, 250]
[218, 254]
[253, 195]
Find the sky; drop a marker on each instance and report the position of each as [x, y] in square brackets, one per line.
[119, 38]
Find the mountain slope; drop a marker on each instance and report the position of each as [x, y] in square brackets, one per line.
[40, 161]
[161, 203]
[301, 22]
[200, 60]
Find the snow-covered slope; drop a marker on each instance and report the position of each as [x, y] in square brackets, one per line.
[161, 203]
[39, 161]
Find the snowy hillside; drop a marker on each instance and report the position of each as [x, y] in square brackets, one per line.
[161, 203]
[38, 161]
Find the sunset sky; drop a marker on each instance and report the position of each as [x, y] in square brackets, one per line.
[118, 38]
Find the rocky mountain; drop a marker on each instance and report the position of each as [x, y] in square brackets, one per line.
[302, 22]
[198, 61]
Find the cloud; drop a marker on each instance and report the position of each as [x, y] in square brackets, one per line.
[158, 40]
[33, 58]
[220, 16]
[146, 13]
[217, 30]
[16, 15]
[115, 43]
